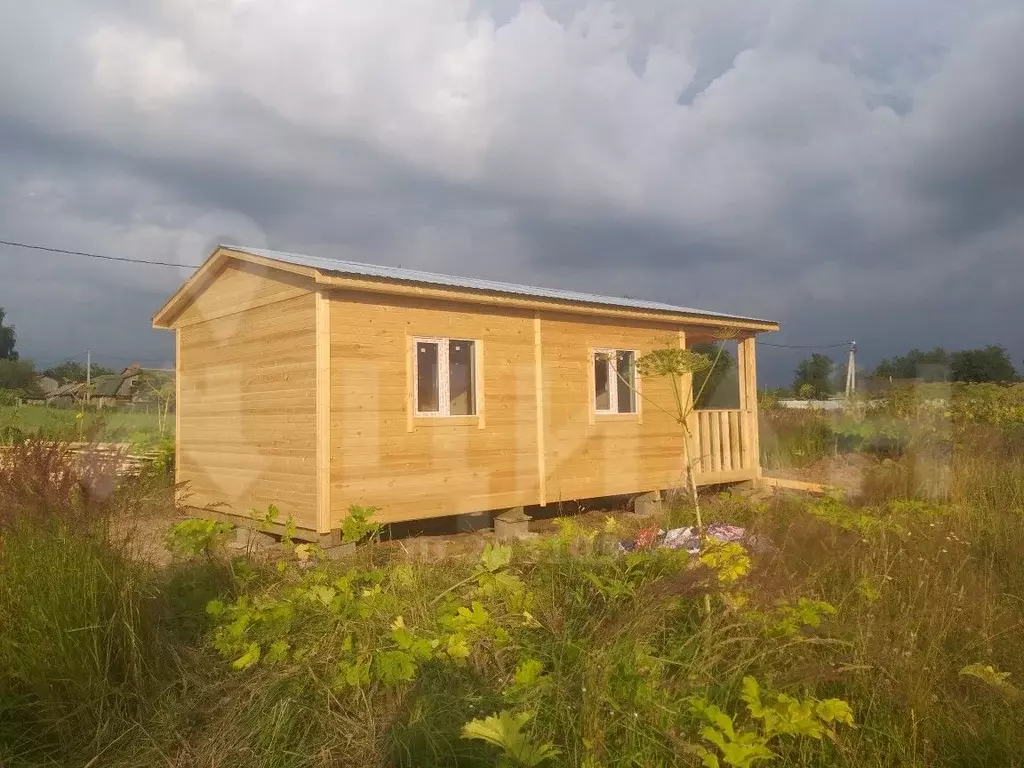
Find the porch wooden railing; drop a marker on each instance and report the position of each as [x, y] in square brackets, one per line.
[722, 443]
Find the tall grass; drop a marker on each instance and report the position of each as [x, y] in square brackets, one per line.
[795, 438]
[18, 423]
[84, 627]
[79, 643]
[879, 598]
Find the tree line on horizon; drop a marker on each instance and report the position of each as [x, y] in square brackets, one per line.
[819, 376]
[19, 375]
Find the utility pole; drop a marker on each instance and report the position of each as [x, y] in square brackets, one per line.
[851, 370]
[88, 375]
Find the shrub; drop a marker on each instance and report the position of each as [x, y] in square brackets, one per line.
[897, 610]
[81, 647]
[80, 640]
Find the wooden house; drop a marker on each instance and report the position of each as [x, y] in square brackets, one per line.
[133, 385]
[142, 385]
[313, 384]
[47, 385]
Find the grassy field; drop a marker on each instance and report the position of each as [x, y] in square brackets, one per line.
[51, 423]
[883, 628]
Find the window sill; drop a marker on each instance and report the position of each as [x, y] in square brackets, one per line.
[446, 421]
[616, 416]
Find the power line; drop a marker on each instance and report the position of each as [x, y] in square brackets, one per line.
[132, 359]
[97, 355]
[154, 263]
[804, 346]
[96, 255]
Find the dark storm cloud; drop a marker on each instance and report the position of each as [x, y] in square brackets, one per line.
[852, 169]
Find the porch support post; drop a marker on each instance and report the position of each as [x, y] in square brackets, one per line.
[748, 404]
[686, 390]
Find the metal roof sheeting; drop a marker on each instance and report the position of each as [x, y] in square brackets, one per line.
[431, 278]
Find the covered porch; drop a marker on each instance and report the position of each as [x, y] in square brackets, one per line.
[723, 441]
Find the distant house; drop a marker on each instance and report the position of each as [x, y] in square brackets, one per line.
[134, 384]
[44, 389]
[65, 394]
[139, 385]
[47, 385]
[110, 390]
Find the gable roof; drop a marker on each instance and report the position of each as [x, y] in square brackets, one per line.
[320, 268]
[67, 390]
[106, 386]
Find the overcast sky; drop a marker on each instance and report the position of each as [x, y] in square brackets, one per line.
[854, 169]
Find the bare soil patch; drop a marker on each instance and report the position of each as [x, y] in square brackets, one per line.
[845, 471]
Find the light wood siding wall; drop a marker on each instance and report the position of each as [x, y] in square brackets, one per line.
[248, 369]
[247, 409]
[590, 455]
[412, 468]
[240, 286]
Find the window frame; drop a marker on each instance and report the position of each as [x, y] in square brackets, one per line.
[613, 392]
[444, 378]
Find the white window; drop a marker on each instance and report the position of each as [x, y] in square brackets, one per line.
[445, 377]
[614, 381]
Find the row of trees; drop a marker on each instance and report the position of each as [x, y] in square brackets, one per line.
[16, 376]
[977, 366]
[20, 376]
[819, 376]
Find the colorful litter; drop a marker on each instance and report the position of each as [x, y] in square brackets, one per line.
[687, 538]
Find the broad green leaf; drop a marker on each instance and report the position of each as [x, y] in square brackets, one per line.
[458, 647]
[403, 638]
[752, 696]
[834, 711]
[993, 677]
[505, 731]
[529, 672]
[721, 720]
[323, 594]
[715, 736]
[247, 659]
[277, 652]
[745, 755]
[476, 617]
[394, 667]
[422, 648]
[495, 557]
[353, 674]
[708, 759]
[986, 672]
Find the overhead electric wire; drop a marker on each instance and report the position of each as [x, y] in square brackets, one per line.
[154, 263]
[66, 252]
[101, 356]
[131, 359]
[804, 346]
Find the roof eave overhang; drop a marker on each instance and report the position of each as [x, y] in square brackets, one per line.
[522, 301]
[165, 317]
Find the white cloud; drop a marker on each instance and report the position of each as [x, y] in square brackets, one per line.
[556, 113]
[775, 152]
[150, 70]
